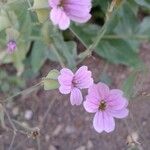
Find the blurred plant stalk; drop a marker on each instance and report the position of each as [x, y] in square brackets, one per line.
[115, 4]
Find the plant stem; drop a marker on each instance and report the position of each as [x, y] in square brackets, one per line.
[78, 37]
[28, 1]
[88, 51]
[58, 56]
[139, 37]
[101, 33]
[26, 91]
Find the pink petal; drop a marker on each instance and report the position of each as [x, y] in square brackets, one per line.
[80, 73]
[78, 10]
[53, 3]
[65, 89]
[58, 17]
[55, 15]
[76, 97]
[116, 93]
[98, 122]
[117, 103]
[80, 19]
[103, 122]
[65, 77]
[91, 106]
[64, 22]
[93, 92]
[66, 71]
[63, 80]
[83, 78]
[119, 113]
[103, 90]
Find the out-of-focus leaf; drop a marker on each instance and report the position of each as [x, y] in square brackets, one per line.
[127, 25]
[128, 21]
[2, 117]
[114, 50]
[120, 43]
[64, 51]
[144, 27]
[51, 80]
[12, 34]
[38, 55]
[103, 4]
[41, 8]
[128, 85]
[4, 21]
[144, 3]
[118, 51]
[53, 74]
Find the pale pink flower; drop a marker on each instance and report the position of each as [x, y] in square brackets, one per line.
[65, 10]
[73, 83]
[11, 46]
[107, 104]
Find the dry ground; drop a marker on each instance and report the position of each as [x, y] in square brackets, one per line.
[70, 128]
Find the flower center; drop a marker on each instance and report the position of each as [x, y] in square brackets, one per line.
[102, 105]
[61, 4]
[73, 83]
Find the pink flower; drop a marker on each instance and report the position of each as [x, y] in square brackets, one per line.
[65, 10]
[73, 83]
[107, 104]
[11, 46]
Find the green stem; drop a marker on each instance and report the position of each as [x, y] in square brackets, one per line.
[88, 51]
[100, 35]
[26, 91]
[28, 1]
[138, 37]
[58, 56]
[78, 37]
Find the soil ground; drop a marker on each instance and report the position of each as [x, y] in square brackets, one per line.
[70, 128]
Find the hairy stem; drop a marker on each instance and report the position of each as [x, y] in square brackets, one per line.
[26, 91]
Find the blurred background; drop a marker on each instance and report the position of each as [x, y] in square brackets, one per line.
[38, 119]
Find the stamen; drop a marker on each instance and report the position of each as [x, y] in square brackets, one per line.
[102, 105]
[61, 3]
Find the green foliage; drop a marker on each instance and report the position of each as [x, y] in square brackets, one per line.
[38, 40]
[144, 3]
[50, 81]
[10, 83]
[120, 44]
[42, 10]
[4, 22]
[128, 85]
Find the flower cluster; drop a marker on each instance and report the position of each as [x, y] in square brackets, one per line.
[11, 46]
[62, 11]
[107, 104]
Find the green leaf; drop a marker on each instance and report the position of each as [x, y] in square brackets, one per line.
[120, 43]
[144, 3]
[2, 120]
[38, 55]
[118, 51]
[103, 4]
[128, 85]
[51, 85]
[144, 28]
[51, 80]
[42, 10]
[4, 21]
[53, 74]
[66, 52]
